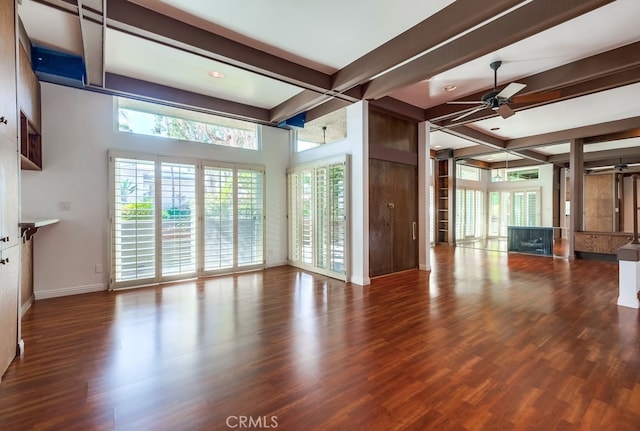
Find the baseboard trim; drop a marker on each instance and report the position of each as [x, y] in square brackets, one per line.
[27, 305]
[68, 291]
[361, 281]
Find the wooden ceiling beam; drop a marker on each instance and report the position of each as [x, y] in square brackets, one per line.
[442, 26]
[137, 20]
[519, 24]
[565, 136]
[137, 89]
[600, 72]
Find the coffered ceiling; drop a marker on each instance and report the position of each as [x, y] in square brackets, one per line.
[579, 59]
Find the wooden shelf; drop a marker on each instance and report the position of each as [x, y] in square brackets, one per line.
[30, 145]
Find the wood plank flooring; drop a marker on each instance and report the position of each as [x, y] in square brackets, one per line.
[487, 341]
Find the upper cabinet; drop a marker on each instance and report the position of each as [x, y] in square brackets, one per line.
[30, 116]
[8, 112]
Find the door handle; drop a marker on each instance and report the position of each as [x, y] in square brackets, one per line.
[413, 228]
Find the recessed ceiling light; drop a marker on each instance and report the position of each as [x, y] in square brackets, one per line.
[216, 74]
[450, 87]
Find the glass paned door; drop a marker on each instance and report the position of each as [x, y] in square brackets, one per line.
[250, 217]
[178, 191]
[134, 220]
[218, 218]
[318, 217]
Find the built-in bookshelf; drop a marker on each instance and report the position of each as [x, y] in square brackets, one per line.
[443, 200]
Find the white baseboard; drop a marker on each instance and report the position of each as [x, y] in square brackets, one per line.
[27, 305]
[67, 291]
[362, 281]
[423, 267]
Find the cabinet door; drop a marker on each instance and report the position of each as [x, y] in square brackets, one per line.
[8, 101]
[9, 199]
[9, 276]
[8, 132]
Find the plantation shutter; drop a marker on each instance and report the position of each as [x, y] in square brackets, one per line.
[178, 216]
[133, 234]
[218, 218]
[250, 217]
[318, 217]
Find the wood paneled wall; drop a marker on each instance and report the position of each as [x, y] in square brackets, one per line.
[393, 194]
[598, 203]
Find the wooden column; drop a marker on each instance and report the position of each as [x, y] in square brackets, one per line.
[576, 186]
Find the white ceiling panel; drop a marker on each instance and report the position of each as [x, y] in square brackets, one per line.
[149, 61]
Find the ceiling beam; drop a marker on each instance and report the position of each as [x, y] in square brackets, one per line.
[123, 85]
[521, 23]
[600, 158]
[478, 137]
[397, 107]
[326, 108]
[137, 20]
[565, 136]
[437, 29]
[445, 24]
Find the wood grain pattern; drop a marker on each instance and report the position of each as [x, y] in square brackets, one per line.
[487, 341]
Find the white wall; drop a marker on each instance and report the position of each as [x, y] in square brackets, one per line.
[78, 129]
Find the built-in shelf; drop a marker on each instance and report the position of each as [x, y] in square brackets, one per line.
[30, 145]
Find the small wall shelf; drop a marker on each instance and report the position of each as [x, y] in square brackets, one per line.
[30, 145]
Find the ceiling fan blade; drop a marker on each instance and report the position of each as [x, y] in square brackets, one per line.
[505, 111]
[510, 90]
[466, 114]
[537, 97]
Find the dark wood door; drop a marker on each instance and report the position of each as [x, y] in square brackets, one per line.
[393, 211]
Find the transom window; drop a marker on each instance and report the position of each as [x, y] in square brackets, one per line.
[146, 118]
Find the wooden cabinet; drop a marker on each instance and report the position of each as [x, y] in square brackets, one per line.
[30, 116]
[9, 195]
[9, 281]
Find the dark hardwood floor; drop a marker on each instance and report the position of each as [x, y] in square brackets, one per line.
[487, 341]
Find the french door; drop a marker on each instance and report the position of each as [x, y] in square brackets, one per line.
[175, 219]
[318, 217]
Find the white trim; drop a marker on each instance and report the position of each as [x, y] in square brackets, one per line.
[24, 307]
[68, 291]
[361, 281]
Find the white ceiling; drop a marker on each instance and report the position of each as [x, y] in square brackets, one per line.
[327, 38]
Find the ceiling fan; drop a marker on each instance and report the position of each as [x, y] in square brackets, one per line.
[618, 168]
[496, 100]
